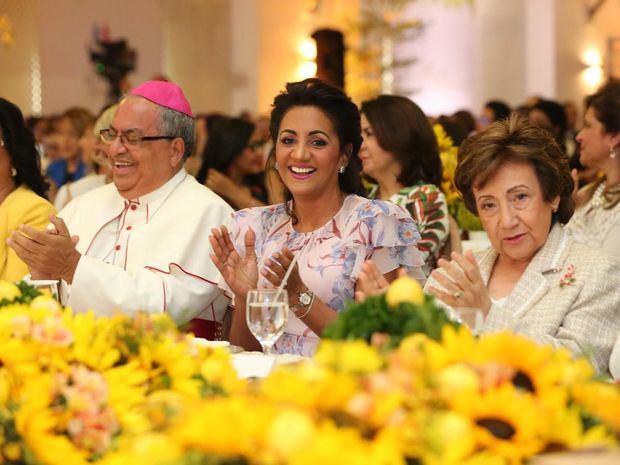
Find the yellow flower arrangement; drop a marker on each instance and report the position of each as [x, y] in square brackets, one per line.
[79, 389]
[449, 159]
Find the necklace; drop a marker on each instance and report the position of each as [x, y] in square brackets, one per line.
[598, 199]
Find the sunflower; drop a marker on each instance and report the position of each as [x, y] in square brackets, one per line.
[529, 366]
[505, 421]
[601, 401]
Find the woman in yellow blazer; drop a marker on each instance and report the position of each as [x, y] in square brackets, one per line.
[22, 187]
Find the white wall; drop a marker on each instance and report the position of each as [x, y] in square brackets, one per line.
[442, 79]
[196, 50]
[245, 40]
[15, 61]
[65, 33]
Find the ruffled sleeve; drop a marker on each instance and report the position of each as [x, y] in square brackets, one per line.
[390, 236]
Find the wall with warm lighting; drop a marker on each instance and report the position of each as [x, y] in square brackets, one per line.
[284, 28]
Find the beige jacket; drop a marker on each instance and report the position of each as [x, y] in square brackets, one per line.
[583, 314]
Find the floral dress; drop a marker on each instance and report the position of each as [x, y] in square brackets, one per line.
[330, 258]
[428, 207]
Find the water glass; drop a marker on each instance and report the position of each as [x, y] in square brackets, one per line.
[49, 286]
[470, 317]
[266, 316]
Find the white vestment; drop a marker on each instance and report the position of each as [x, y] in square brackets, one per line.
[149, 254]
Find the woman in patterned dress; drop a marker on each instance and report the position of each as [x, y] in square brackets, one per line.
[315, 129]
[400, 157]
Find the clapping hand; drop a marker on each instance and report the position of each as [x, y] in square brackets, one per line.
[462, 282]
[275, 269]
[48, 254]
[239, 273]
[370, 282]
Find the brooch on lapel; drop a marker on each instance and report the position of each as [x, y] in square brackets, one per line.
[568, 279]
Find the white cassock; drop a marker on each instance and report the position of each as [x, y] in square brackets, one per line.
[149, 254]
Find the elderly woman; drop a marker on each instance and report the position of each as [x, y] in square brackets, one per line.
[315, 129]
[22, 187]
[534, 279]
[597, 219]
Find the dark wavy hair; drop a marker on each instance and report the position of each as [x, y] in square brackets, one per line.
[227, 139]
[515, 140]
[20, 145]
[606, 105]
[342, 113]
[403, 129]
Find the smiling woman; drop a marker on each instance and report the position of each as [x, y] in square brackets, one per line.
[330, 229]
[534, 279]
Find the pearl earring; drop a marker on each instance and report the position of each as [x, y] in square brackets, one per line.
[13, 172]
[275, 165]
[612, 153]
[342, 168]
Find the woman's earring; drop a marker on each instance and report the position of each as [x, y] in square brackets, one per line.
[13, 172]
[342, 168]
[275, 165]
[612, 152]
[554, 209]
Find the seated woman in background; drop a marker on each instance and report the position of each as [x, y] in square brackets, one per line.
[233, 165]
[22, 187]
[534, 279]
[315, 129]
[400, 157]
[96, 155]
[70, 167]
[597, 219]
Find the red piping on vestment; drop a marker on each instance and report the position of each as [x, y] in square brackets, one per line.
[163, 285]
[126, 252]
[180, 268]
[99, 230]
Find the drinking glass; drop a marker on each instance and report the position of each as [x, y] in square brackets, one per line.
[50, 286]
[266, 315]
[470, 317]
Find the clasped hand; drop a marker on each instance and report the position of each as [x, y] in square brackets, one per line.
[462, 283]
[49, 254]
[241, 273]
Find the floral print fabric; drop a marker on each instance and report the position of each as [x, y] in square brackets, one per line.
[428, 207]
[330, 258]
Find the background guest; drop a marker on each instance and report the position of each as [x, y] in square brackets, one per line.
[493, 110]
[597, 219]
[22, 187]
[95, 156]
[400, 157]
[70, 127]
[550, 115]
[233, 165]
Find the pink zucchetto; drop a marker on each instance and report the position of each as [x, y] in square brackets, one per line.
[164, 93]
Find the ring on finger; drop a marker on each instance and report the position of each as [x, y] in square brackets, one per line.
[457, 294]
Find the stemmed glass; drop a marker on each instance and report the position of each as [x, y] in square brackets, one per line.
[470, 317]
[51, 286]
[266, 315]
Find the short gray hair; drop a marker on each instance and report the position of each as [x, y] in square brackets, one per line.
[175, 123]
